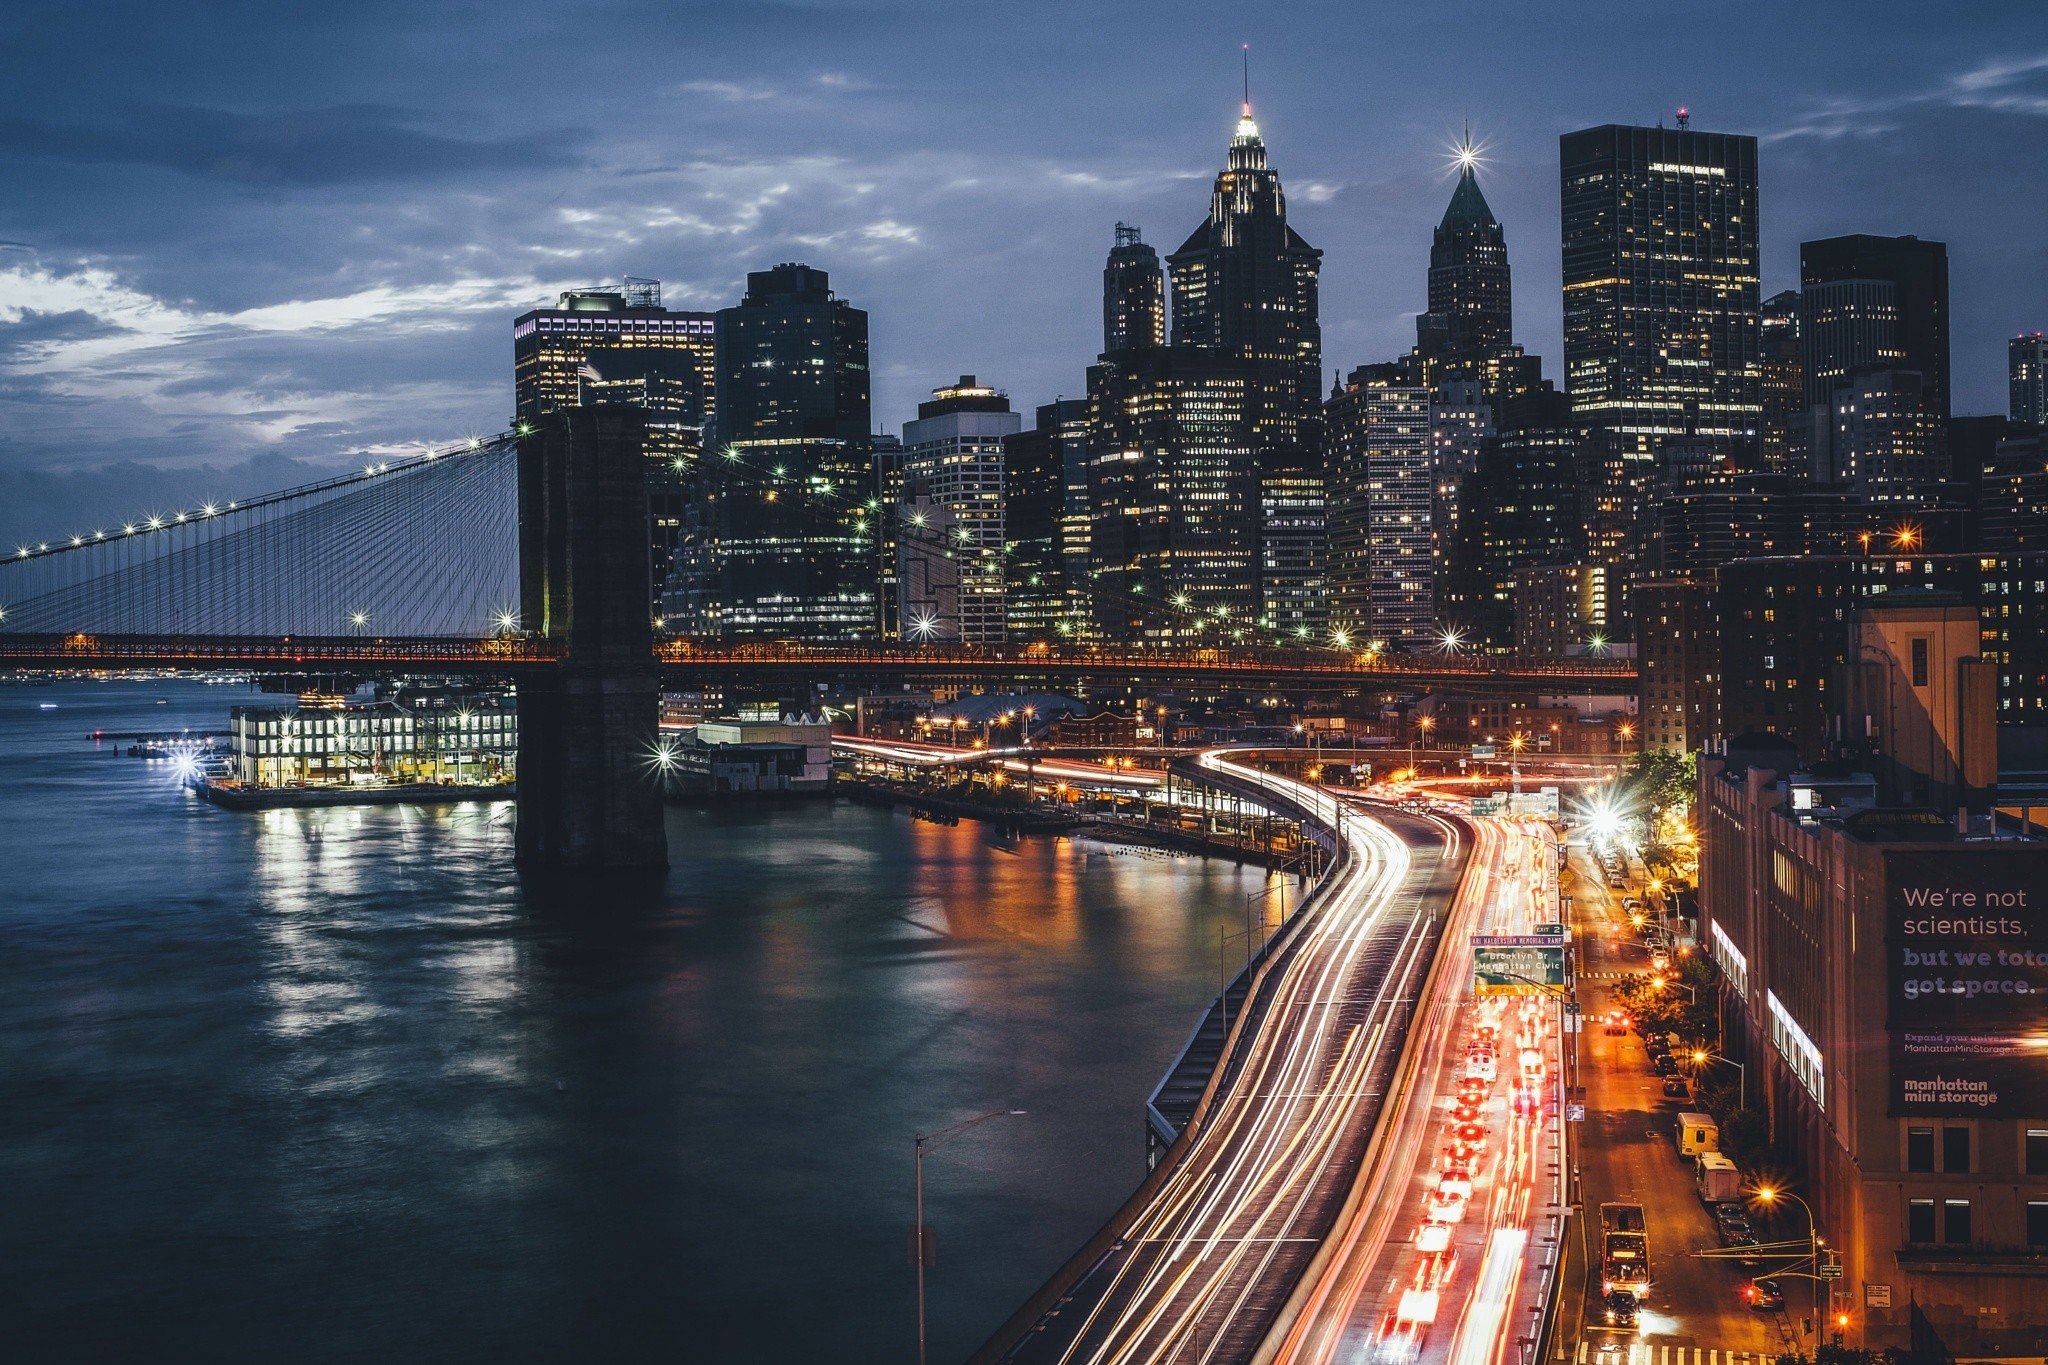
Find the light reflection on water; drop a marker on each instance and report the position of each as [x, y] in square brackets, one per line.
[329, 1084]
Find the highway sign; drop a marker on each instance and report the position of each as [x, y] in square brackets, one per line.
[1575, 1113]
[1532, 968]
[1482, 751]
[1539, 939]
[1554, 930]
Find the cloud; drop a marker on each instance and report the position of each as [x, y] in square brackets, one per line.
[343, 144]
[2006, 85]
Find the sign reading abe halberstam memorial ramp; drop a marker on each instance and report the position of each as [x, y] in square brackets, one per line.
[1967, 1008]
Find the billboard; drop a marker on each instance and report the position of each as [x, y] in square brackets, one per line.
[1518, 964]
[1966, 936]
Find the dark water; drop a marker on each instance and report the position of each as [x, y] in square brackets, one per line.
[334, 1085]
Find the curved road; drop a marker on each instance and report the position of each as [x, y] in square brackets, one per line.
[1201, 1270]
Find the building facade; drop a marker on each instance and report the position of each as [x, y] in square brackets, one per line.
[2027, 378]
[1045, 479]
[1245, 285]
[1660, 308]
[1915, 276]
[781, 540]
[1380, 490]
[953, 454]
[429, 738]
[1133, 294]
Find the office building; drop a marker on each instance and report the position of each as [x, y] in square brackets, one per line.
[1557, 610]
[1461, 421]
[1133, 294]
[1470, 289]
[1781, 382]
[1660, 308]
[1518, 510]
[420, 736]
[1914, 274]
[1294, 596]
[619, 345]
[1173, 495]
[1380, 489]
[1245, 286]
[1678, 662]
[2027, 378]
[927, 568]
[1045, 480]
[1839, 903]
[1724, 517]
[1884, 443]
[2013, 506]
[953, 454]
[779, 542]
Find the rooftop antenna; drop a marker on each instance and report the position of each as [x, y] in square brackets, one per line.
[1684, 118]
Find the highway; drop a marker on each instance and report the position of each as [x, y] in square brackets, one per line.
[1445, 1245]
[1198, 1267]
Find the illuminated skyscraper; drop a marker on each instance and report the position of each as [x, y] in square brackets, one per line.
[780, 541]
[2027, 377]
[619, 345]
[1660, 308]
[953, 454]
[1173, 495]
[1380, 489]
[1133, 294]
[1469, 285]
[1916, 275]
[1782, 424]
[1045, 513]
[1245, 287]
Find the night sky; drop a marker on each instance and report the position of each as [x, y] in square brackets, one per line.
[242, 241]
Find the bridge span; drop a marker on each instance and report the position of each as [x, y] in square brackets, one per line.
[770, 662]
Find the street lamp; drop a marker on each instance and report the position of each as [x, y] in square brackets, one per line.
[1768, 1196]
[1425, 724]
[931, 1142]
[1516, 743]
[1701, 1057]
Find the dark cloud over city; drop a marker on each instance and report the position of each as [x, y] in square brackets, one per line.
[248, 241]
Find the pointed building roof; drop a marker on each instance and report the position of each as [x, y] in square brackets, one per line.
[1468, 207]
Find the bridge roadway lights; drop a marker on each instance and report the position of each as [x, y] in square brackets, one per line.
[589, 788]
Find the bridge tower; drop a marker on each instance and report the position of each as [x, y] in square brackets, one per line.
[589, 790]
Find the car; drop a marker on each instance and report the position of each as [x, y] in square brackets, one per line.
[1765, 1296]
[1661, 960]
[1656, 1045]
[1617, 1023]
[1664, 1064]
[1735, 1232]
[1749, 1255]
[1619, 1310]
[1471, 1135]
[1433, 1239]
[1631, 903]
[1676, 1088]
[1465, 1113]
[1455, 1180]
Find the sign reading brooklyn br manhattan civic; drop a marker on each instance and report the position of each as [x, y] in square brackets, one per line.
[1968, 1005]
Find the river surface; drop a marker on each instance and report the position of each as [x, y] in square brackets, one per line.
[337, 1085]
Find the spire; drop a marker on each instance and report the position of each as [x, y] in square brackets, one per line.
[1247, 130]
[1468, 207]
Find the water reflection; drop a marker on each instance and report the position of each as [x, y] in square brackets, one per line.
[338, 1083]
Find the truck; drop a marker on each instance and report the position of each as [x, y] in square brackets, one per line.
[1697, 1133]
[1624, 1251]
[1718, 1180]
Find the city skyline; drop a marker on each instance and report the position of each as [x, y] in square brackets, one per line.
[192, 342]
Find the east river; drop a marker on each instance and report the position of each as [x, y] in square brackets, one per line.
[338, 1085]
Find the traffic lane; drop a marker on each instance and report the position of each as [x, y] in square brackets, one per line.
[1378, 1257]
[1214, 1254]
[1629, 1154]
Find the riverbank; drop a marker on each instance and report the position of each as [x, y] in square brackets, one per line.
[1029, 820]
[235, 796]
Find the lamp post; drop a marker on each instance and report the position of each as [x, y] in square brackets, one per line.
[1768, 1196]
[923, 1143]
[1702, 1058]
[1516, 743]
[1424, 724]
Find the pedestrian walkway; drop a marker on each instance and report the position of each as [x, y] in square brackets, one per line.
[1593, 1352]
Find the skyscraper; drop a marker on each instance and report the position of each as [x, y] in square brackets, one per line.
[1660, 307]
[1133, 294]
[1173, 495]
[1782, 427]
[1469, 286]
[1517, 509]
[1884, 443]
[953, 454]
[619, 345]
[1917, 273]
[1380, 489]
[1245, 286]
[2027, 376]
[780, 542]
[1045, 484]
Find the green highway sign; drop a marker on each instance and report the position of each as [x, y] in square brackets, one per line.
[1517, 969]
